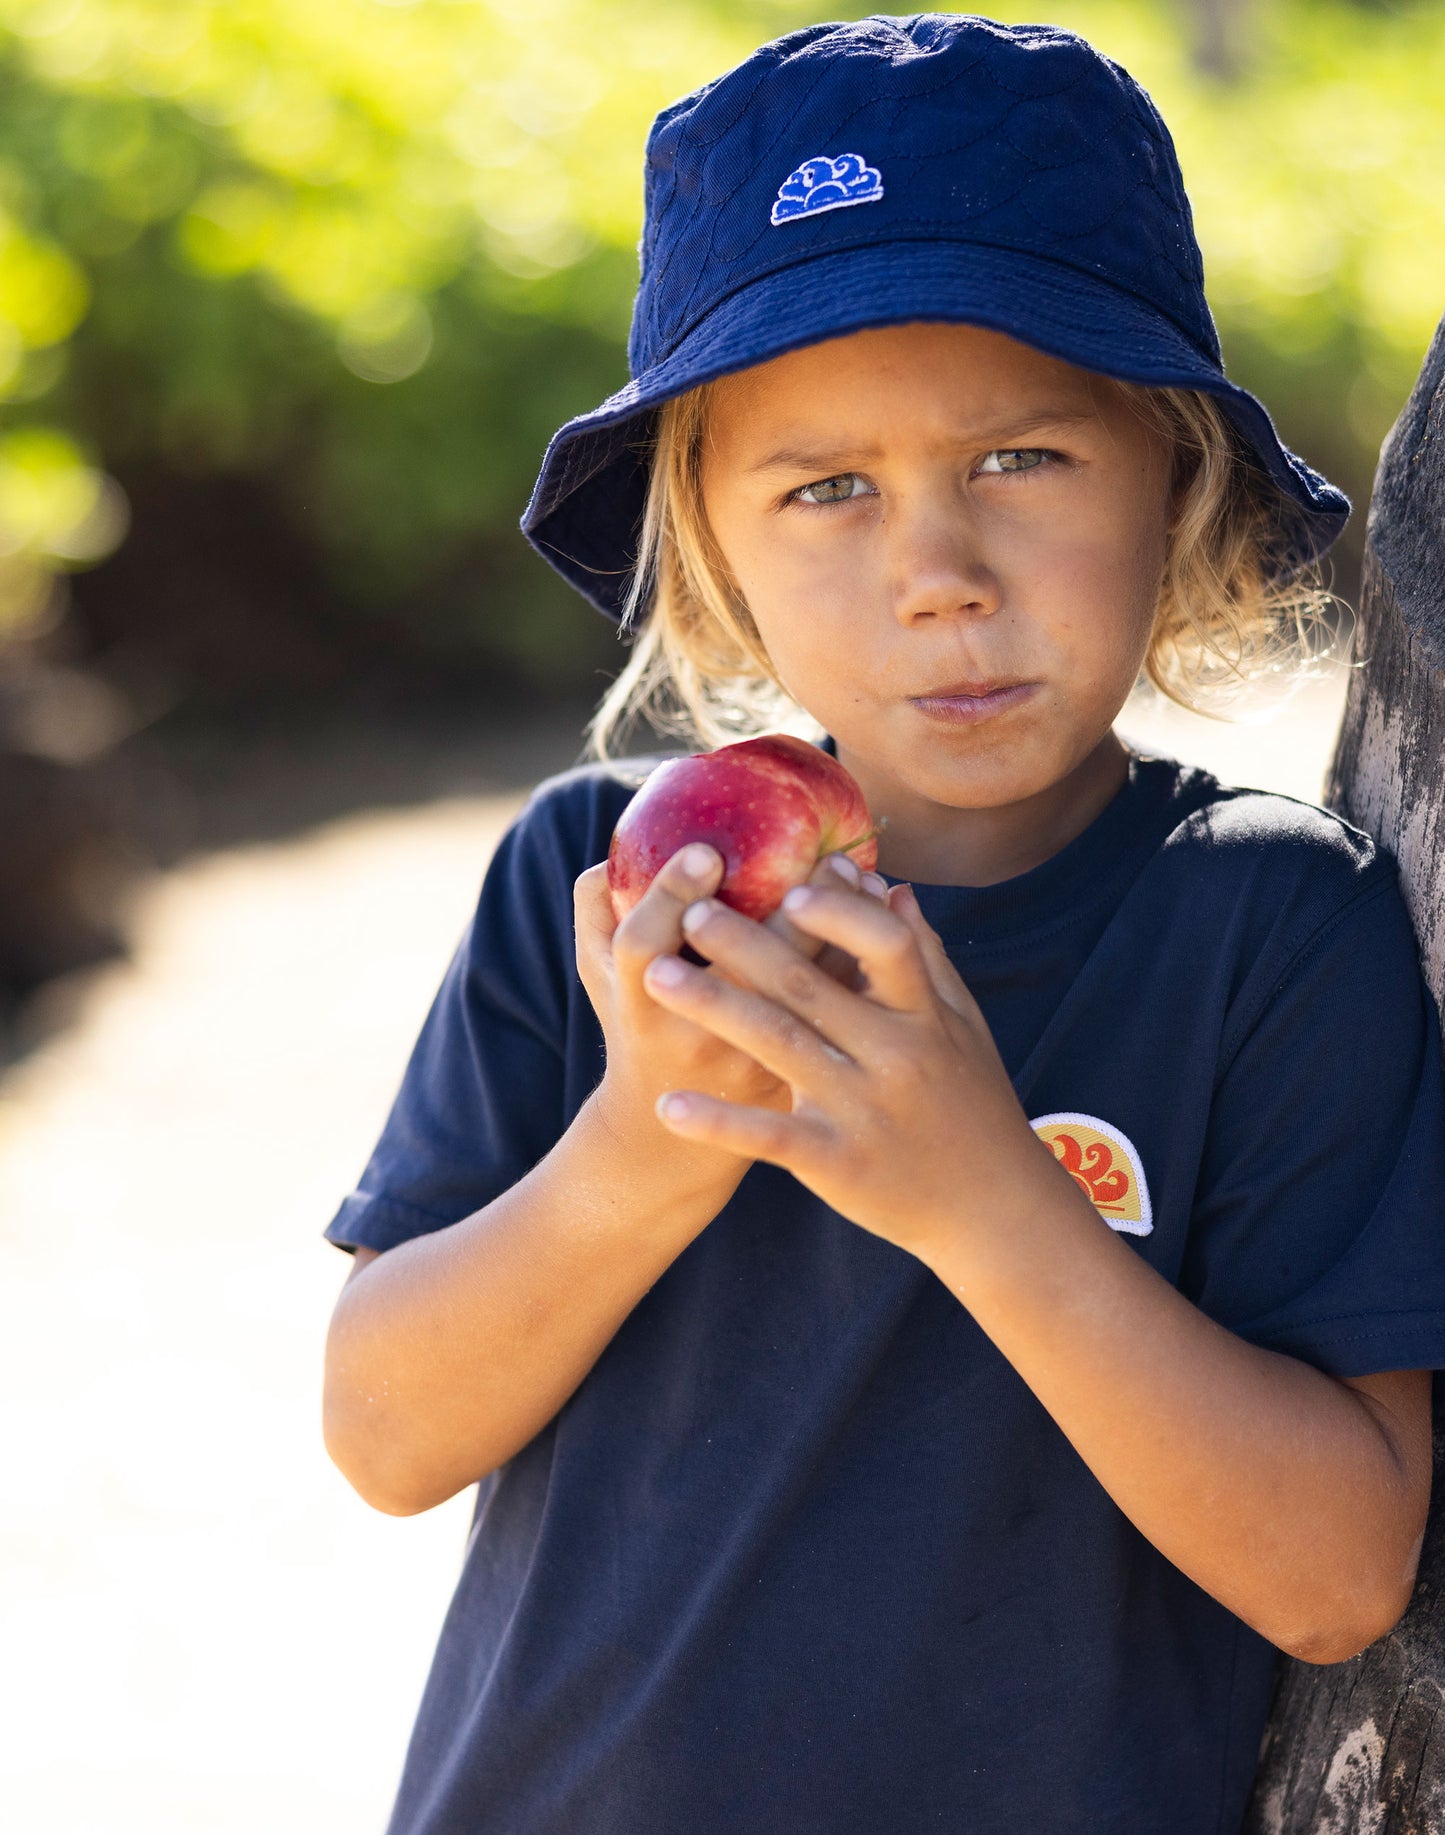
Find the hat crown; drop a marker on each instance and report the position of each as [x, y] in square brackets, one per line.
[1011, 137]
[937, 167]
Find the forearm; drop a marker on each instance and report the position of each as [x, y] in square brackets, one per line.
[1296, 1499]
[450, 1352]
[1278, 1489]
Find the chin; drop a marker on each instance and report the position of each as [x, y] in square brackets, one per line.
[983, 783]
[1009, 769]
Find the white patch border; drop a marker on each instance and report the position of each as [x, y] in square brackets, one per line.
[1070, 1118]
[818, 210]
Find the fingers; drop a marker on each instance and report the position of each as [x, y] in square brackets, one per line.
[654, 925]
[833, 961]
[829, 871]
[886, 947]
[770, 977]
[948, 984]
[770, 1033]
[753, 1134]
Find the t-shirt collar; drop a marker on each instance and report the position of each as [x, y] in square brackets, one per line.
[1129, 828]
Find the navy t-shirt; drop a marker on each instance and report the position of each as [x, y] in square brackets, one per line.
[802, 1552]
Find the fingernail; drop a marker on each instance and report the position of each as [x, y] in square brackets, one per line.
[796, 900]
[672, 1107]
[667, 970]
[844, 868]
[696, 860]
[697, 915]
[878, 887]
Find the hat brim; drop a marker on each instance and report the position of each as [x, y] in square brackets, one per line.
[586, 510]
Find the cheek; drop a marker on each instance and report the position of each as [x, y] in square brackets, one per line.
[1115, 581]
[1093, 618]
[1146, 579]
[790, 564]
[808, 597]
[808, 637]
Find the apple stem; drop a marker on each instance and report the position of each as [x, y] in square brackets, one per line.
[848, 846]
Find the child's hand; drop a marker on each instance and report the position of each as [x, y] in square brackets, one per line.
[650, 1049]
[902, 1116]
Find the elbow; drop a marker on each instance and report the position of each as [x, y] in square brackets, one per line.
[390, 1500]
[360, 1432]
[377, 1477]
[1336, 1644]
[367, 1453]
[378, 1459]
[1341, 1607]
[1358, 1622]
[351, 1456]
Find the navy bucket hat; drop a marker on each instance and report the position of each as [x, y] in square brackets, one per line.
[936, 167]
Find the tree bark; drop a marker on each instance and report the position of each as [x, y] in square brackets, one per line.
[1358, 1748]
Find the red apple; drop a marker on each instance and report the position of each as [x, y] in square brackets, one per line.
[771, 807]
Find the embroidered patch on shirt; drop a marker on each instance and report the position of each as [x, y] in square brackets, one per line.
[827, 184]
[1103, 1163]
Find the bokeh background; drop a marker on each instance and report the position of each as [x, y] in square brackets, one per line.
[291, 298]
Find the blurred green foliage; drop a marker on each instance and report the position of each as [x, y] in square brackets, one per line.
[369, 253]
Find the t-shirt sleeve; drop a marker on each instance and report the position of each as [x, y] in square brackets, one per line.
[1319, 1222]
[482, 1097]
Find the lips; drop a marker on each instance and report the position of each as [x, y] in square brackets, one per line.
[973, 691]
[967, 702]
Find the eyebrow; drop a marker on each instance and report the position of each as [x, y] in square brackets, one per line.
[818, 460]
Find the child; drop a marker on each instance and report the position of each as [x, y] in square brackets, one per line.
[922, 1367]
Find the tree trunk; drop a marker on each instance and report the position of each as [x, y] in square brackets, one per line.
[1217, 26]
[1358, 1748]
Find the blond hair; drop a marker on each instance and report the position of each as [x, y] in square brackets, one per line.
[1231, 610]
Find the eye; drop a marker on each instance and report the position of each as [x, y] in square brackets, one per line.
[1014, 458]
[837, 489]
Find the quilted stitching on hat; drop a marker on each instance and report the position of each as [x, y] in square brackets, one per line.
[683, 132]
[1044, 131]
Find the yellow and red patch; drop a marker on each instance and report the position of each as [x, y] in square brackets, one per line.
[1103, 1163]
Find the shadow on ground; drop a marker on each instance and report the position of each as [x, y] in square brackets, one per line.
[282, 768]
[82, 839]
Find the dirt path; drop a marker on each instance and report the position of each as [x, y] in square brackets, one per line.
[204, 1631]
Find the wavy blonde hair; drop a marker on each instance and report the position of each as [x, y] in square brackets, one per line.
[1230, 610]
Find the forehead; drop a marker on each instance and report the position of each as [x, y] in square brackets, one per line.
[911, 376]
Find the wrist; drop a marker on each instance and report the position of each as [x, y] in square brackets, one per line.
[980, 1252]
[626, 1129]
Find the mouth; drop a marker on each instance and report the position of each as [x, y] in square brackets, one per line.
[963, 703]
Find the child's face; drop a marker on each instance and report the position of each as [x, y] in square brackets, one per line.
[925, 508]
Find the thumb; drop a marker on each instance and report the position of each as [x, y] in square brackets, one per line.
[594, 924]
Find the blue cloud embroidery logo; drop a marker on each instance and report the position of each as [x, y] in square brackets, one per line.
[827, 184]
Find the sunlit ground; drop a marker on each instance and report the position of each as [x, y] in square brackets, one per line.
[203, 1630]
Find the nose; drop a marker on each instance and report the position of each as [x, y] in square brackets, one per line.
[938, 565]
